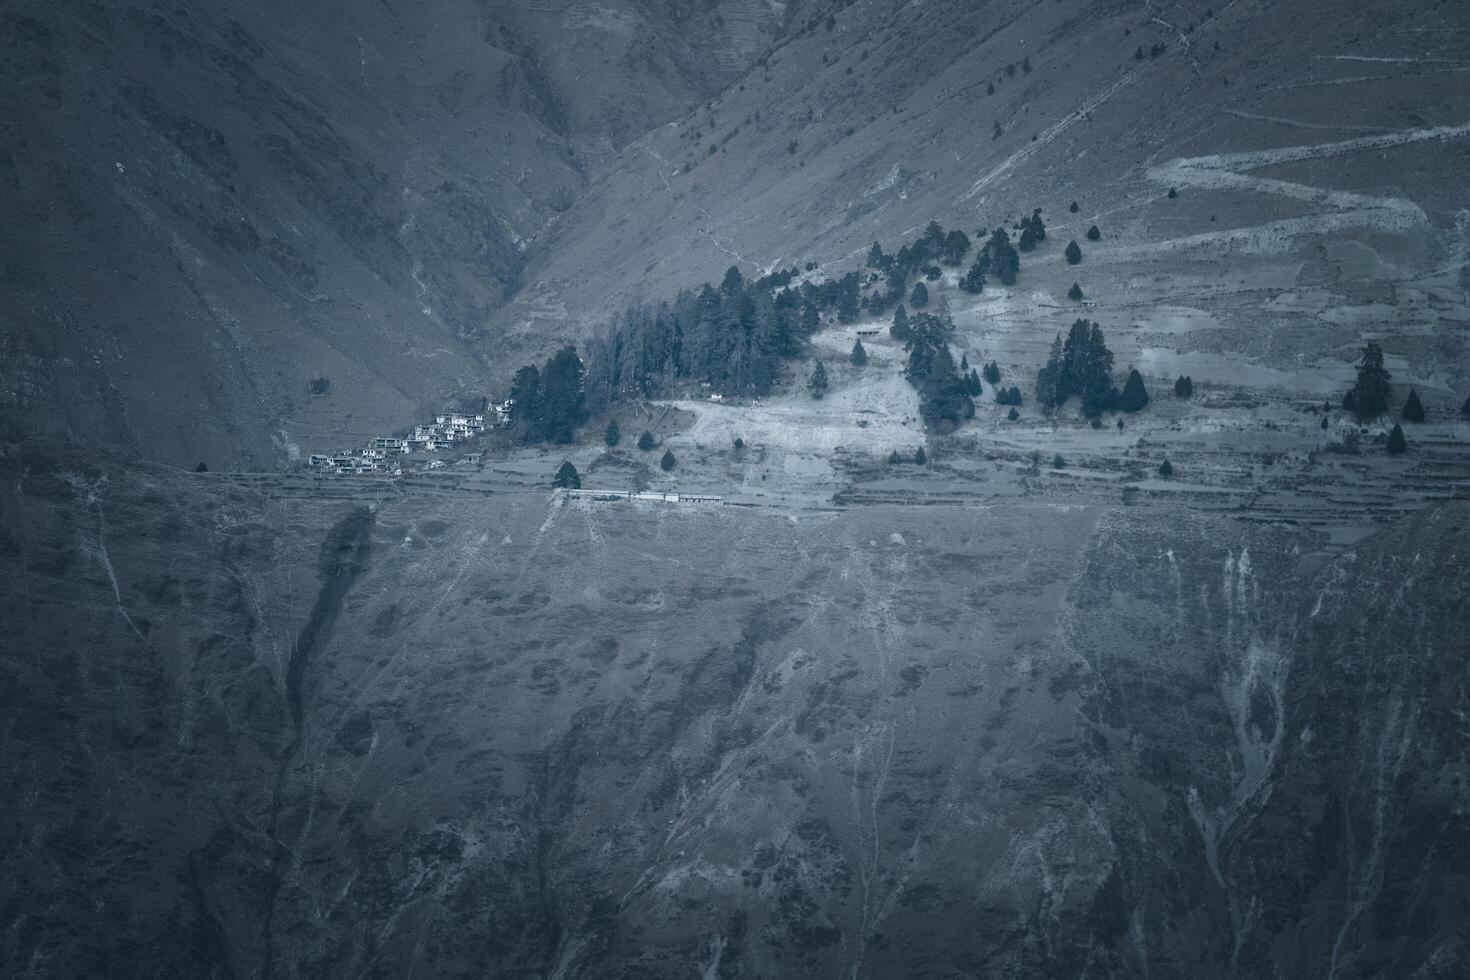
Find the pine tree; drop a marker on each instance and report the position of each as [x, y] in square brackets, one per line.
[1093, 234]
[974, 280]
[964, 363]
[920, 457]
[612, 435]
[1057, 463]
[562, 402]
[1074, 208]
[1183, 386]
[1173, 193]
[1465, 408]
[900, 328]
[972, 384]
[859, 355]
[645, 441]
[1073, 253]
[568, 477]
[201, 468]
[733, 281]
[894, 458]
[1369, 396]
[1135, 395]
[525, 393]
[1413, 408]
[668, 462]
[817, 383]
[1166, 469]
[992, 373]
[920, 296]
[1075, 293]
[1013, 415]
[875, 256]
[1396, 442]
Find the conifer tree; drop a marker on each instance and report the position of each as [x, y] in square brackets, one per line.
[1135, 395]
[1075, 293]
[894, 458]
[1173, 193]
[900, 328]
[612, 435]
[1093, 234]
[1413, 408]
[1073, 253]
[920, 296]
[974, 280]
[1166, 469]
[568, 477]
[1396, 441]
[1369, 396]
[859, 355]
[1183, 386]
[1074, 208]
[992, 373]
[668, 462]
[645, 441]
[1465, 408]
[920, 457]
[817, 383]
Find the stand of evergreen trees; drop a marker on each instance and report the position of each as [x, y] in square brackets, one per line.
[1369, 396]
[549, 402]
[1081, 365]
[944, 396]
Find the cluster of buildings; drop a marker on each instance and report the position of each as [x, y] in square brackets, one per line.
[384, 455]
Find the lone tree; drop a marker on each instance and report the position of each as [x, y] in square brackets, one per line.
[1369, 397]
[1465, 408]
[1073, 253]
[859, 355]
[1413, 408]
[612, 435]
[201, 468]
[645, 441]
[894, 458]
[1396, 443]
[1093, 234]
[1057, 463]
[668, 462]
[817, 383]
[1013, 415]
[920, 296]
[920, 457]
[1075, 292]
[1183, 386]
[1173, 193]
[1074, 209]
[1135, 395]
[1166, 469]
[568, 477]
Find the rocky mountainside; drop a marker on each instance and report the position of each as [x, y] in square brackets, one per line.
[209, 208]
[286, 728]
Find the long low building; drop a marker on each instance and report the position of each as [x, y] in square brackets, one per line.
[659, 496]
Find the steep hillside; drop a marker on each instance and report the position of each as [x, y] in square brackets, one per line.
[1323, 163]
[304, 728]
[208, 208]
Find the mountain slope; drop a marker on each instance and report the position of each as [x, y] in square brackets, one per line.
[207, 209]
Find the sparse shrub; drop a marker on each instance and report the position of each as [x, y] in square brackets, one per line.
[645, 441]
[1073, 253]
[1138, 53]
[920, 457]
[1096, 422]
[1075, 293]
[567, 476]
[667, 463]
[1396, 441]
[739, 443]
[1093, 234]
[1026, 64]
[612, 435]
[1413, 408]
[1166, 469]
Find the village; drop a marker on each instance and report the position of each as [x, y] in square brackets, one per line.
[385, 455]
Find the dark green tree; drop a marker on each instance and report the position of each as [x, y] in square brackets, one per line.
[817, 383]
[1073, 253]
[920, 296]
[1465, 408]
[1369, 396]
[1183, 386]
[1413, 408]
[1166, 469]
[562, 403]
[1135, 396]
[956, 244]
[201, 468]
[1013, 415]
[1173, 193]
[859, 355]
[973, 280]
[900, 328]
[612, 435]
[1075, 293]
[1057, 463]
[525, 393]
[568, 477]
[668, 462]
[894, 458]
[875, 256]
[1093, 234]
[1396, 441]
[992, 373]
[1001, 258]
[920, 457]
[645, 441]
[733, 281]
[1074, 208]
